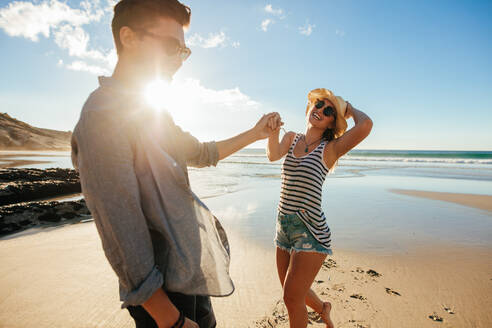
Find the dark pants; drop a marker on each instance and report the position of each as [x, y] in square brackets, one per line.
[196, 308]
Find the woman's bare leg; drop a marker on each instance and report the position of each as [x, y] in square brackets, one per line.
[303, 268]
[312, 300]
[283, 259]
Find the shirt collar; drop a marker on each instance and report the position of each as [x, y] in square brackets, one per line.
[116, 85]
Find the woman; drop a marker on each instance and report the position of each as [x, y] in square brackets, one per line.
[303, 236]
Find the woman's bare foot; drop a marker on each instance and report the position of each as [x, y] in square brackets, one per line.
[325, 315]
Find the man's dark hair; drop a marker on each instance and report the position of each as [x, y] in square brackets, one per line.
[139, 13]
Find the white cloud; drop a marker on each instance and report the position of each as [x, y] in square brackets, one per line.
[53, 18]
[29, 20]
[212, 41]
[227, 98]
[236, 44]
[276, 12]
[84, 67]
[76, 41]
[340, 33]
[307, 29]
[211, 113]
[265, 23]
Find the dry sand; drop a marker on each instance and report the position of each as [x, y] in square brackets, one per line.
[483, 202]
[60, 278]
[431, 278]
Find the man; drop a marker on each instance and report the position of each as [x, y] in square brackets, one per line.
[158, 237]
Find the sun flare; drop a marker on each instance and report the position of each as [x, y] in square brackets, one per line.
[158, 94]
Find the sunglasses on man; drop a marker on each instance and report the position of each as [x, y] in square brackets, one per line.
[172, 46]
[327, 111]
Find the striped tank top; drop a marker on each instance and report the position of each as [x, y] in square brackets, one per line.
[302, 182]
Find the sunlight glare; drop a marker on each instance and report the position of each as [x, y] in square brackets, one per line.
[158, 94]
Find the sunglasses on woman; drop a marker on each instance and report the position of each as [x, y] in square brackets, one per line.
[327, 111]
[172, 46]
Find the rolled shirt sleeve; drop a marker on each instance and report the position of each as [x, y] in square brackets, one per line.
[198, 154]
[104, 158]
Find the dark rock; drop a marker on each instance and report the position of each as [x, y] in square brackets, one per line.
[20, 185]
[69, 215]
[16, 217]
[50, 217]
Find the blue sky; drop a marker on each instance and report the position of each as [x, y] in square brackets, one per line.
[420, 69]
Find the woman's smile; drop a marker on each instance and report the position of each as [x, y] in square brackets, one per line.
[317, 116]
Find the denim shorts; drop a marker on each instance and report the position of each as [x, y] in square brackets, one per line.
[293, 235]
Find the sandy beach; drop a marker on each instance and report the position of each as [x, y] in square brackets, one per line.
[404, 253]
[59, 277]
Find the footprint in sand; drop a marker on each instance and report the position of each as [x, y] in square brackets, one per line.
[448, 309]
[314, 316]
[358, 296]
[373, 273]
[328, 264]
[338, 287]
[435, 317]
[278, 316]
[391, 291]
[359, 323]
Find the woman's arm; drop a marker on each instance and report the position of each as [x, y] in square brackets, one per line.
[276, 150]
[361, 129]
[354, 136]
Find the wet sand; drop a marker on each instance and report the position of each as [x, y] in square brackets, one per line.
[483, 202]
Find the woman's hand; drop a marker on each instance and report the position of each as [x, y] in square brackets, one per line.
[275, 123]
[267, 125]
[349, 111]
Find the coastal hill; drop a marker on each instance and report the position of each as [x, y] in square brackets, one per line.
[17, 135]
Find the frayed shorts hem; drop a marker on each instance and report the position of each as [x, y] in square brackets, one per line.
[294, 249]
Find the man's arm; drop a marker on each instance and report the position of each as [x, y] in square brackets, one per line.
[200, 154]
[261, 130]
[110, 187]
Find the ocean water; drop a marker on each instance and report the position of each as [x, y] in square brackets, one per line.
[362, 212]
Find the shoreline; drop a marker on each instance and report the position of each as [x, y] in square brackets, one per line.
[482, 202]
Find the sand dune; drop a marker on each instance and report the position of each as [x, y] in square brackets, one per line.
[17, 135]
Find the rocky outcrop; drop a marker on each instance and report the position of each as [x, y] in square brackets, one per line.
[21, 185]
[17, 135]
[18, 217]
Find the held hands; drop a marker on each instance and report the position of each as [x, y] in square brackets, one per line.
[268, 124]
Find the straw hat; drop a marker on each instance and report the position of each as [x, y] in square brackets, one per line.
[338, 102]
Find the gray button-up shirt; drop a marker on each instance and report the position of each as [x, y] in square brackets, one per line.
[133, 170]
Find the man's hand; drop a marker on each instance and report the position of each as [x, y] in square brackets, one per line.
[190, 324]
[267, 125]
